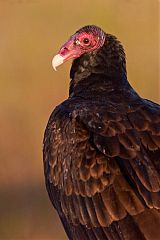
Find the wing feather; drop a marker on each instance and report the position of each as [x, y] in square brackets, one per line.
[105, 166]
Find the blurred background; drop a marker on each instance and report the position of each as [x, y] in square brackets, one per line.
[31, 32]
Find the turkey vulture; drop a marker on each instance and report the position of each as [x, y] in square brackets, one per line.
[102, 146]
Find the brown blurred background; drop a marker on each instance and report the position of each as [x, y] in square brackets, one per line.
[31, 32]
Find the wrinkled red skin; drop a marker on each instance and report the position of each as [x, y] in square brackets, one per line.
[75, 46]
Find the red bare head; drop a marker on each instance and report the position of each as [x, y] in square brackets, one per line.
[84, 40]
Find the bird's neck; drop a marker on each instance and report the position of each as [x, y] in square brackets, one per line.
[100, 71]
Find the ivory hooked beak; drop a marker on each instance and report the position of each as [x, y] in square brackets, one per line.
[57, 60]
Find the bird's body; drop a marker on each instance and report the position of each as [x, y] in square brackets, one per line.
[102, 152]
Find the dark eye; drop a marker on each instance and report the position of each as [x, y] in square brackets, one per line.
[85, 40]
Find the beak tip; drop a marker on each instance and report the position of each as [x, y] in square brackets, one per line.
[56, 61]
[54, 67]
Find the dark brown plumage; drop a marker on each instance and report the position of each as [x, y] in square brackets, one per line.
[102, 149]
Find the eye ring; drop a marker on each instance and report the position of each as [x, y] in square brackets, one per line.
[86, 41]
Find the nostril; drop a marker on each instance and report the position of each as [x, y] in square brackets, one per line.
[63, 51]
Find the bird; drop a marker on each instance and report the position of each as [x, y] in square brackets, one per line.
[101, 147]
